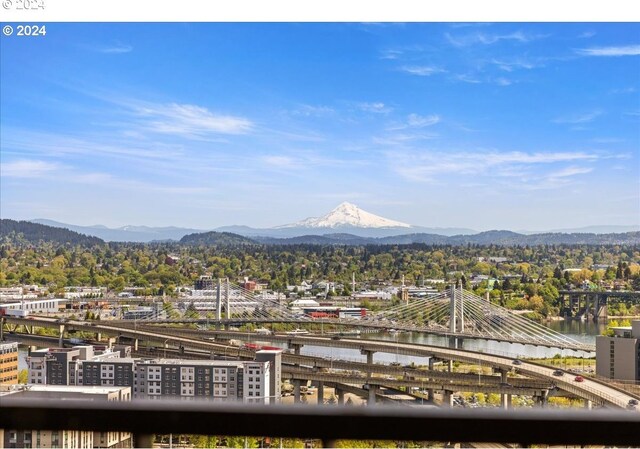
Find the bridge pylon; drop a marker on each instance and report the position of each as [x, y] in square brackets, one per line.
[456, 309]
[219, 300]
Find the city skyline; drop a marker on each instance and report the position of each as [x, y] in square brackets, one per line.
[484, 126]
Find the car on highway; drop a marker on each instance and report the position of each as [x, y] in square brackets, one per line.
[517, 362]
[558, 373]
[633, 402]
[579, 379]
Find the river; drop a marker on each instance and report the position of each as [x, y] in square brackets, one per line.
[584, 332]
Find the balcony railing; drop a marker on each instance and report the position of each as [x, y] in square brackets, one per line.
[327, 423]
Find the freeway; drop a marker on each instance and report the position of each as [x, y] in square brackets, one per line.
[373, 323]
[589, 389]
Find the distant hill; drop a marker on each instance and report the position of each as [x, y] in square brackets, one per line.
[504, 238]
[216, 238]
[124, 233]
[25, 231]
[346, 235]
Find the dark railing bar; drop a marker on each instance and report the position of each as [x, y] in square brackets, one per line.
[328, 423]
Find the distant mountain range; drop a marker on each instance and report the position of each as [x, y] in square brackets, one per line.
[347, 222]
[124, 233]
[503, 238]
[25, 231]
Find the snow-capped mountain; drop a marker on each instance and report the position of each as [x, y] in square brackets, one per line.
[347, 215]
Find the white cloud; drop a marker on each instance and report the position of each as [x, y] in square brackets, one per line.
[416, 121]
[427, 165]
[284, 162]
[625, 90]
[467, 79]
[607, 140]
[307, 110]
[116, 49]
[190, 120]
[402, 139]
[391, 54]
[503, 82]
[570, 171]
[376, 107]
[627, 50]
[510, 66]
[587, 35]
[422, 70]
[420, 121]
[487, 39]
[579, 118]
[25, 168]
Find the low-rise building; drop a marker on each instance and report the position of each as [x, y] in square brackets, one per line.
[618, 357]
[220, 380]
[66, 438]
[217, 380]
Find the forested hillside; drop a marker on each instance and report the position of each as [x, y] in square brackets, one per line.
[12, 231]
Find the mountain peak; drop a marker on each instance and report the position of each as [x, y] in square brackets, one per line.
[347, 214]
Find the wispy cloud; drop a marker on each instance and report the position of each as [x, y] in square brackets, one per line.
[626, 50]
[579, 118]
[116, 47]
[488, 39]
[503, 82]
[625, 90]
[190, 120]
[422, 70]
[415, 121]
[426, 166]
[466, 78]
[391, 54]
[377, 107]
[569, 171]
[404, 138]
[420, 121]
[586, 35]
[61, 145]
[282, 162]
[307, 110]
[26, 168]
[510, 66]
[608, 140]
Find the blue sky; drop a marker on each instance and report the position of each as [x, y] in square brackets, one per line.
[509, 126]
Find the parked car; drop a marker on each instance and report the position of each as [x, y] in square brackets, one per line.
[558, 373]
[579, 379]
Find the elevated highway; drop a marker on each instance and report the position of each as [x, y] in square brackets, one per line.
[591, 389]
[373, 324]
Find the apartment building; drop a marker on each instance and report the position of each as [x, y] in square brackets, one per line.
[218, 380]
[65, 438]
[618, 357]
[64, 366]
[8, 363]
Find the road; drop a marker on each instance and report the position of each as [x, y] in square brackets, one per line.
[589, 389]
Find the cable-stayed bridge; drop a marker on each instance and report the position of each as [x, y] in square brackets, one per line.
[454, 313]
